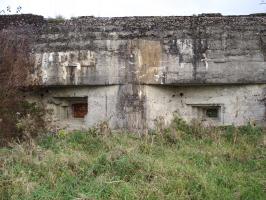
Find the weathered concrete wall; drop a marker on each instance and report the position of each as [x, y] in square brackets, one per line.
[119, 105]
[159, 50]
[133, 70]
[123, 108]
[239, 104]
[206, 49]
[79, 68]
[102, 105]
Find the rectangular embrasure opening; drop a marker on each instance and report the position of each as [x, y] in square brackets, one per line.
[206, 112]
[72, 107]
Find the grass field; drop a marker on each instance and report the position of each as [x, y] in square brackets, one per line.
[181, 162]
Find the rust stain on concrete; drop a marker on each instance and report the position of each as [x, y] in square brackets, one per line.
[148, 58]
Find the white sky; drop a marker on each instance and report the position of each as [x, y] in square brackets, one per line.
[111, 8]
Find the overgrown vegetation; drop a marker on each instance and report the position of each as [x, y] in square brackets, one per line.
[180, 162]
[18, 118]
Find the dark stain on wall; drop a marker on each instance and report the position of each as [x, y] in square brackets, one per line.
[173, 48]
[200, 45]
[131, 106]
[131, 97]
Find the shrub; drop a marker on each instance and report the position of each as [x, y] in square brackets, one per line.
[31, 122]
[16, 67]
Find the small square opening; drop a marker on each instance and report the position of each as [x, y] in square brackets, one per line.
[212, 112]
[79, 110]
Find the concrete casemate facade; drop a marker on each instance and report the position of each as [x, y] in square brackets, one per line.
[132, 71]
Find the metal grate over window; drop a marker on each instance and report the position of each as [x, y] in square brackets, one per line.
[80, 110]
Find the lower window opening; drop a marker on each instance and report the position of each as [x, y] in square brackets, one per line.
[207, 112]
[71, 107]
[79, 110]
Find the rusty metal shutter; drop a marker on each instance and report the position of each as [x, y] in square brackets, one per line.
[79, 110]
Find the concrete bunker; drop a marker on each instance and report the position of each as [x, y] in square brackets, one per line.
[129, 71]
